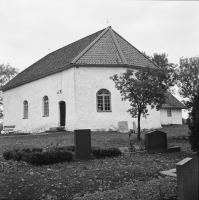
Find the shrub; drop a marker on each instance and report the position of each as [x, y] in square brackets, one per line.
[36, 158]
[193, 123]
[25, 157]
[51, 157]
[7, 155]
[103, 153]
[16, 155]
[71, 148]
[27, 150]
[37, 149]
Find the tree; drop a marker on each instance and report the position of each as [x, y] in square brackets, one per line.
[169, 68]
[144, 87]
[188, 79]
[193, 122]
[6, 74]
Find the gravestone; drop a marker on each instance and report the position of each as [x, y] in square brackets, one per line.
[123, 127]
[187, 179]
[155, 140]
[82, 140]
[134, 127]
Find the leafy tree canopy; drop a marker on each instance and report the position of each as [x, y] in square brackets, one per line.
[188, 79]
[6, 74]
[168, 68]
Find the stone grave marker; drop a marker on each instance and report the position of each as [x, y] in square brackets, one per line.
[187, 179]
[155, 140]
[123, 126]
[82, 140]
[134, 128]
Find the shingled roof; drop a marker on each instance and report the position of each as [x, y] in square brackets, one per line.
[105, 47]
[172, 102]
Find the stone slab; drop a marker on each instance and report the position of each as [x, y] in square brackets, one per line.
[123, 126]
[171, 172]
[82, 140]
[188, 179]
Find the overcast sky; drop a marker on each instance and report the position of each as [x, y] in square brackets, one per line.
[30, 29]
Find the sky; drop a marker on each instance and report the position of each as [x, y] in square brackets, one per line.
[29, 29]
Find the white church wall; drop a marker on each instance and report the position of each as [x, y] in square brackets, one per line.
[34, 92]
[88, 81]
[176, 117]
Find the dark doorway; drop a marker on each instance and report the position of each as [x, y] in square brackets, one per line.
[62, 108]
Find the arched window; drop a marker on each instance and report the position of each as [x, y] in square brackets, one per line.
[103, 100]
[46, 106]
[25, 109]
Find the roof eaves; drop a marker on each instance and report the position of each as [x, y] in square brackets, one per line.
[118, 46]
[89, 46]
[37, 78]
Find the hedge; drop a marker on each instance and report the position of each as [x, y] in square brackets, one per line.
[36, 156]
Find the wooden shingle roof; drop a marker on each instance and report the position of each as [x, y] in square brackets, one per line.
[105, 47]
[172, 102]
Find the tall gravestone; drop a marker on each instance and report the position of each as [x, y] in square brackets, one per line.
[187, 179]
[155, 140]
[82, 140]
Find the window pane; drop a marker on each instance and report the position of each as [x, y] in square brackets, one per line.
[169, 113]
[46, 106]
[100, 103]
[25, 109]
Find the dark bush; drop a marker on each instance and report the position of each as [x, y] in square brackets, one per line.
[27, 150]
[16, 155]
[37, 149]
[68, 148]
[193, 122]
[36, 158]
[7, 155]
[103, 153]
[25, 157]
[51, 157]
[71, 148]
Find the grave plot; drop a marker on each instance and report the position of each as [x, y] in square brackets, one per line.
[157, 141]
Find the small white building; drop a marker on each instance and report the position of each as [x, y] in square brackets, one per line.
[71, 87]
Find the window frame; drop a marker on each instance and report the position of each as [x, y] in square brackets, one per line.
[25, 109]
[45, 102]
[103, 100]
[169, 112]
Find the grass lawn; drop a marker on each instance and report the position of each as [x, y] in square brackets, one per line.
[132, 176]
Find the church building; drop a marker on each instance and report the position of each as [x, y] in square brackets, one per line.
[71, 88]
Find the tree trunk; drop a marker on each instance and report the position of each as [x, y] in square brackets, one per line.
[138, 135]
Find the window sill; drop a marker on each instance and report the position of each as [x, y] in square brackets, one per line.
[45, 115]
[25, 118]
